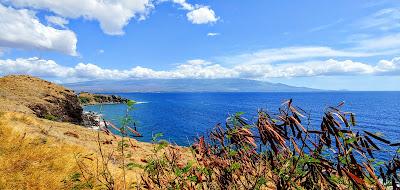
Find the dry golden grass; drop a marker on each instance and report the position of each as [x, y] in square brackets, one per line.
[31, 161]
[27, 94]
[40, 154]
[21, 90]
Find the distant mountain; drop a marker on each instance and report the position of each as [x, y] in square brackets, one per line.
[185, 85]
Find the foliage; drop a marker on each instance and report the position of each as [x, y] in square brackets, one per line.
[51, 117]
[83, 100]
[280, 152]
[167, 171]
[102, 177]
[277, 151]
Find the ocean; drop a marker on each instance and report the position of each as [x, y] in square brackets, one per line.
[181, 117]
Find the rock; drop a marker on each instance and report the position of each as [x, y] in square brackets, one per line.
[91, 119]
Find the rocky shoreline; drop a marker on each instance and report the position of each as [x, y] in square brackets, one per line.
[32, 95]
[93, 120]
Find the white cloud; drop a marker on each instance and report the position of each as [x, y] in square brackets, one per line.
[185, 5]
[325, 26]
[213, 34]
[310, 68]
[389, 67]
[199, 69]
[100, 51]
[289, 54]
[21, 29]
[386, 42]
[202, 15]
[380, 33]
[57, 21]
[34, 66]
[385, 19]
[198, 14]
[113, 15]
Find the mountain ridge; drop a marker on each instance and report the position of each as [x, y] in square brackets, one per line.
[184, 85]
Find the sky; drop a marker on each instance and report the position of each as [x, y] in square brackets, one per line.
[353, 45]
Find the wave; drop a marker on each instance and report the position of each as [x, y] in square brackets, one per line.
[142, 102]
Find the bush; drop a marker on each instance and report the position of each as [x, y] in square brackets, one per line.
[51, 117]
[277, 151]
[280, 152]
[83, 100]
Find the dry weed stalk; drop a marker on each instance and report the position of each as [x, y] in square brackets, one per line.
[279, 152]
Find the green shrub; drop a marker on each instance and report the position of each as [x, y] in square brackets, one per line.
[51, 117]
[84, 100]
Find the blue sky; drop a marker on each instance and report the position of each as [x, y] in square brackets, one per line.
[321, 44]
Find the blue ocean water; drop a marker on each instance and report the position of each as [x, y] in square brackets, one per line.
[183, 116]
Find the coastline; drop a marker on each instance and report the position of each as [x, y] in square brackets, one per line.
[86, 98]
[102, 103]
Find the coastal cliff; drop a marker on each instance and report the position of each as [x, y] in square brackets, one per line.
[31, 95]
[86, 98]
[27, 94]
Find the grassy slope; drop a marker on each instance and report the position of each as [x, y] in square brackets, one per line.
[27, 94]
[38, 153]
[18, 91]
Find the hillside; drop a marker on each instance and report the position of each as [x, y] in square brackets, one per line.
[37, 153]
[32, 95]
[185, 85]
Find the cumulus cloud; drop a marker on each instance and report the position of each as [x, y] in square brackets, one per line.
[57, 21]
[34, 66]
[202, 15]
[199, 69]
[328, 67]
[389, 67]
[113, 15]
[22, 29]
[198, 14]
